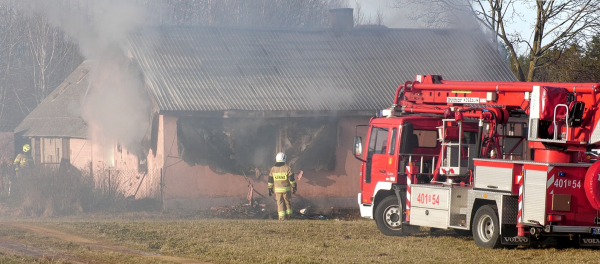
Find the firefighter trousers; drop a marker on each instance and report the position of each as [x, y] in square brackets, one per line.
[284, 205]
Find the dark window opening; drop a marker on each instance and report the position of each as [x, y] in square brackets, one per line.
[310, 143]
[203, 141]
[245, 145]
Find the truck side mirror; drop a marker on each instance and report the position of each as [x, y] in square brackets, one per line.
[357, 150]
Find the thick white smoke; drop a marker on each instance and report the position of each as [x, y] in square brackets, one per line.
[115, 107]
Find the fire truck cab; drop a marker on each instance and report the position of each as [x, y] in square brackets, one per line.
[505, 164]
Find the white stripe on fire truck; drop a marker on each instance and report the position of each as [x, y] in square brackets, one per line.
[408, 192]
[520, 182]
[549, 184]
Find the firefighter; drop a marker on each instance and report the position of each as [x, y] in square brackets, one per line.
[23, 160]
[282, 183]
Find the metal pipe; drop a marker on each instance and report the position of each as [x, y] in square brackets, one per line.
[397, 94]
[566, 120]
[504, 87]
[478, 142]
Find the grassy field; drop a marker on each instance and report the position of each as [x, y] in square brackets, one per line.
[268, 241]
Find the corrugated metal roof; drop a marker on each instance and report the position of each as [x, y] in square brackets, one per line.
[219, 69]
[58, 114]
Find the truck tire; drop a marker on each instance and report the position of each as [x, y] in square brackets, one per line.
[389, 216]
[486, 228]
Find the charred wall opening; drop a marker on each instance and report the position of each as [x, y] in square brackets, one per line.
[204, 141]
[311, 143]
[236, 145]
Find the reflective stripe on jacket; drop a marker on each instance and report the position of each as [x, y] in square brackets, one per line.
[281, 178]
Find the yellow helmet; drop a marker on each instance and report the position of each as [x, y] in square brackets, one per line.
[26, 147]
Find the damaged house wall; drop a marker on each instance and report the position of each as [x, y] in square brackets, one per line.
[247, 145]
[114, 169]
[207, 159]
[121, 171]
[59, 136]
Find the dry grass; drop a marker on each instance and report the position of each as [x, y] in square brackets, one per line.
[296, 241]
[60, 251]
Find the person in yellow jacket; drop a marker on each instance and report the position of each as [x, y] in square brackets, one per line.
[23, 160]
[282, 183]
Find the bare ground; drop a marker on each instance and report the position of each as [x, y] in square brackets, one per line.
[18, 248]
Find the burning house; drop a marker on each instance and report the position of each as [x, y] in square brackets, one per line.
[226, 100]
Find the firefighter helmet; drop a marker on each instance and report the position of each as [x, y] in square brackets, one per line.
[26, 148]
[280, 157]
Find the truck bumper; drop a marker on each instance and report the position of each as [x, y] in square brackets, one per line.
[570, 229]
[366, 210]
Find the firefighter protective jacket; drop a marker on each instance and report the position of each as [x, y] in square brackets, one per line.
[281, 178]
[22, 160]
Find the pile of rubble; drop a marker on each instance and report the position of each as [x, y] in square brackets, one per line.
[259, 210]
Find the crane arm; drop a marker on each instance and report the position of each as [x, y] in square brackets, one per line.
[497, 101]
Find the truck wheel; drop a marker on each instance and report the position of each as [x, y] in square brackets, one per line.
[389, 216]
[486, 228]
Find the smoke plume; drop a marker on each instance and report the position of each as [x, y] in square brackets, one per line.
[115, 106]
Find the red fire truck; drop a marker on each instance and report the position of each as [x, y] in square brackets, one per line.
[509, 162]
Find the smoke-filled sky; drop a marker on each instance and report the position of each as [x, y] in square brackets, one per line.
[397, 18]
[115, 107]
[392, 17]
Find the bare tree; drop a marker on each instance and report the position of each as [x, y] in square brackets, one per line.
[34, 58]
[14, 102]
[555, 26]
[379, 17]
[361, 20]
[359, 15]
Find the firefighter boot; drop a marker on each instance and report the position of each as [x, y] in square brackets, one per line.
[281, 215]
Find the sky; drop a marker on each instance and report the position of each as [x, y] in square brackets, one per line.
[395, 18]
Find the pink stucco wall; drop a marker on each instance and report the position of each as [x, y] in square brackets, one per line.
[119, 175]
[199, 187]
[81, 153]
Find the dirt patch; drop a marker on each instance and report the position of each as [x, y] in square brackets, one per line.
[24, 249]
[21, 249]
